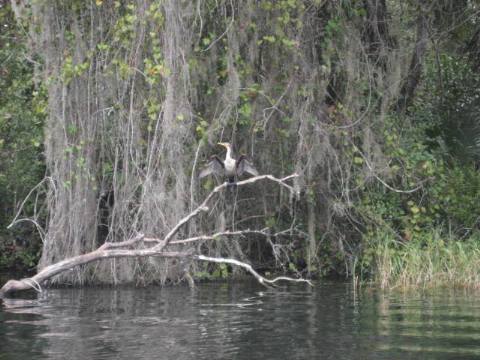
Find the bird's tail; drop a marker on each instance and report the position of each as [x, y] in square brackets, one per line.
[232, 184]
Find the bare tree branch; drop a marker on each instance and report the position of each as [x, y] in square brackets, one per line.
[130, 247]
[106, 251]
[249, 268]
[220, 234]
[203, 206]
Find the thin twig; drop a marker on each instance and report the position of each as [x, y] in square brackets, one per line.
[14, 221]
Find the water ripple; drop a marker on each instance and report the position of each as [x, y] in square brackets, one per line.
[241, 321]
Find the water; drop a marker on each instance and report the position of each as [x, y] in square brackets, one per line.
[240, 321]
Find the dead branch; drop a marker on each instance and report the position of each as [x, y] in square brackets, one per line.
[106, 251]
[203, 206]
[249, 268]
[131, 247]
[218, 235]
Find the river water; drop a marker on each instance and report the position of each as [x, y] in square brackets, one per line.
[241, 321]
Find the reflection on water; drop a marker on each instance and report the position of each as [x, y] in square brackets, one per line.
[241, 321]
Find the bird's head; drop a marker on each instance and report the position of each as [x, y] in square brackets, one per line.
[226, 145]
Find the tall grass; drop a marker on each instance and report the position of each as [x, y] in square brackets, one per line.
[428, 260]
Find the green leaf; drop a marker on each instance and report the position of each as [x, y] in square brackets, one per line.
[358, 160]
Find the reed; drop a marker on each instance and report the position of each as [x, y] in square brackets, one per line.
[429, 260]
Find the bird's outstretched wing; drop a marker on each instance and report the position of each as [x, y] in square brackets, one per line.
[214, 166]
[245, 166]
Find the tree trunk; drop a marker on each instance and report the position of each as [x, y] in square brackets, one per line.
[416, 63]
[377, 34]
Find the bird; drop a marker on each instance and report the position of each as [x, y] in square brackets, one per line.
[229, 168]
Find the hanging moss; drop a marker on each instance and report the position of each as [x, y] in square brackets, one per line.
[140, 92]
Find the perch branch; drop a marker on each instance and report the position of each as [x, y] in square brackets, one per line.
[129, 248]
[203, 206]
[215, 236]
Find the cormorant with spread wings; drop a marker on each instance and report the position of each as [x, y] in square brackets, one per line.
[228, 168]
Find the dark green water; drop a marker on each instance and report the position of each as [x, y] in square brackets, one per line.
[240, 321]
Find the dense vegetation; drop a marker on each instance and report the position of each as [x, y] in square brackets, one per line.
[373, 103]
[22, 114]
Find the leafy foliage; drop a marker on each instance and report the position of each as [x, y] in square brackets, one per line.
[448, 105]
[23, 108]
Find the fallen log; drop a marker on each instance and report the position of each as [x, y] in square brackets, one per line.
[153, 247]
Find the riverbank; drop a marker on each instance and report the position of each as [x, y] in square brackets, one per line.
[429, 260]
